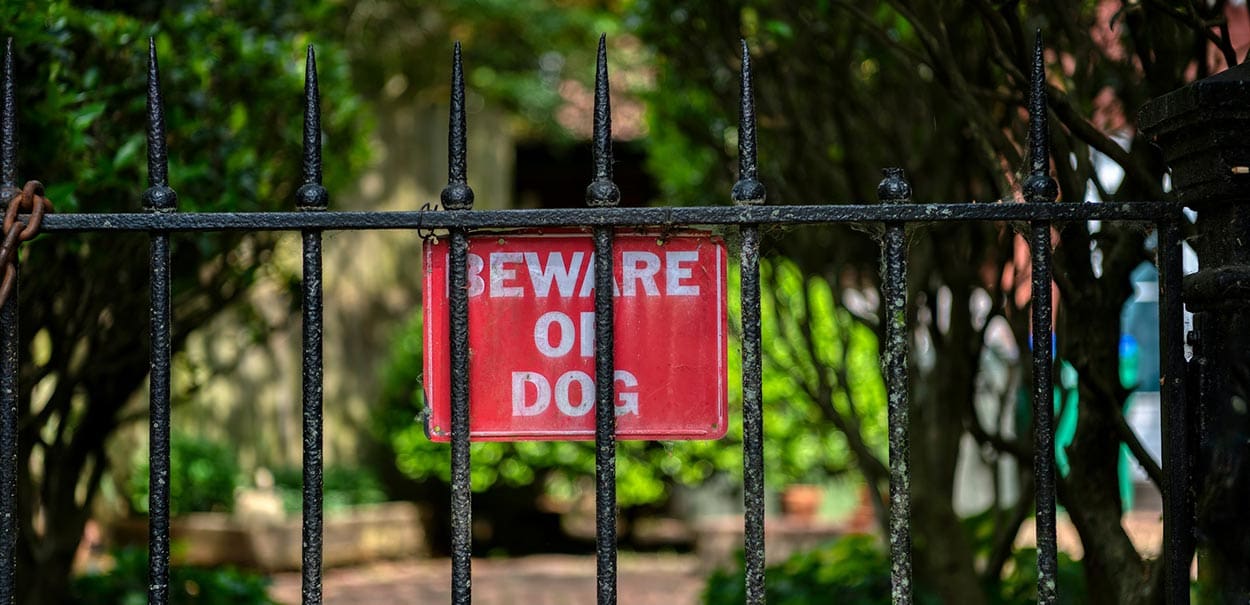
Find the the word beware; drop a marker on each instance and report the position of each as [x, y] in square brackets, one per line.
[531, 336]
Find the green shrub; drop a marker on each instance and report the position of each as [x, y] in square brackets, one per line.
[852, 570]
[127, 584]
[342, 487]
[203, 477]
[1019, 583]
[855, 570]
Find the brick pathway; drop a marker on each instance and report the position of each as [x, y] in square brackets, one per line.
[648, 579]
[533, 580]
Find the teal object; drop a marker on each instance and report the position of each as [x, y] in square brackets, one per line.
[1139, 372]
[1130, 378]
[1067, 411]
[1067, 401]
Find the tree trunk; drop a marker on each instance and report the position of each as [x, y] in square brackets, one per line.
[944, 556]
[44, 567]
[1114, 571]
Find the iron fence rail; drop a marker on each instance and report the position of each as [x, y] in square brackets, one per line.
[748, 192]
[603, 193]
[458, 195]
[9, 359]
[311, 197]
[609, 217]
[894, 212]
[1039, 188]
[894, 189]
[9, 354]
[158, 197]
[1178, 477]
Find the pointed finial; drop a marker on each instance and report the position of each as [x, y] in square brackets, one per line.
[311, 195]
[602, 191]
[8, 127]
[748, 191]
[1038, 186]
[457, 195]
[158, 196]
[894, 188]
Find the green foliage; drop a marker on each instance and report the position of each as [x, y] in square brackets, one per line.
[818, 362]
[679, 164]
[342, 488]
[518, 54]
[1019, 583]
[852, 570]
[799, 445]
[232, 80]
[855, 570]
[127, 584]
[203, 476]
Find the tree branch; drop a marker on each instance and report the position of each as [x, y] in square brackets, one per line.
[1194, 21]
[1090, 135]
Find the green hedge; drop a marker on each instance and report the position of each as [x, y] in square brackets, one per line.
[855, 570]
[127, 584]
[341, 488]
[203, 476]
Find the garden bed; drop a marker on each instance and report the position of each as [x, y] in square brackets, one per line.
[358, 534]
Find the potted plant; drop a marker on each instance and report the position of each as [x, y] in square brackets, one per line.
[801, 501]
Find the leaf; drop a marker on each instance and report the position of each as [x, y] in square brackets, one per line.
[781, 29]
[86, 116]
[126, 154]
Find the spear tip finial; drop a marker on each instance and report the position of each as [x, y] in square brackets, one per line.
[158, 197]
[602, 191]
[457, 195]
[311, 195]
[748, 190]
[1038, 185]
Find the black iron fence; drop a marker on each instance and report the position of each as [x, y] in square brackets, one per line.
[895, 210]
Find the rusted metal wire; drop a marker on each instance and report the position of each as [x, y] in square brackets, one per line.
[31, 201]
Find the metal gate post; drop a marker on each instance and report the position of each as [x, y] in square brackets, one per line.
[1204, 132]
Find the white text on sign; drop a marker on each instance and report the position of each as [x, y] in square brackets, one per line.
[555, 334]
[522, 274]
